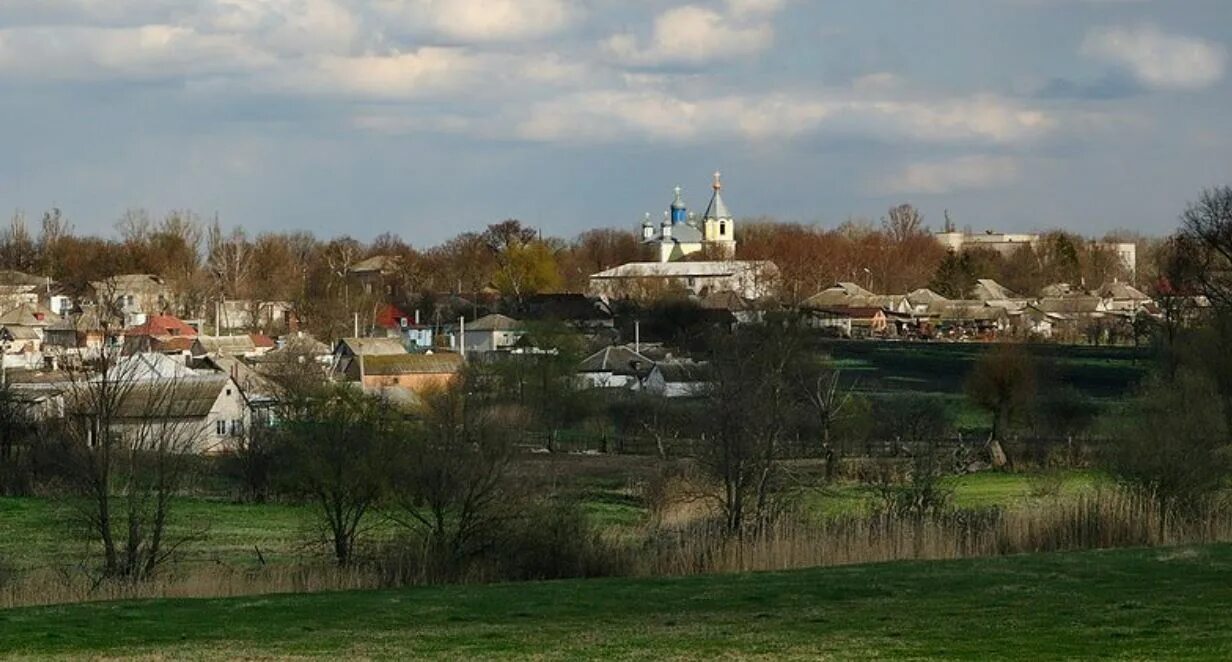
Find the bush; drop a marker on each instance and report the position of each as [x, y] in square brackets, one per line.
[1173, 440]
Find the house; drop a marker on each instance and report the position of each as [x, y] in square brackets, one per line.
[681, 233]
[135, 296]
[17, 289]
[1008, 243]
[20, 347]
[410, 372]
[1122, 297]
[239, 315]
[850, 295]
[375, 274]
[925, 302]
[1041, 323]
[747, 278]
[615, 367]
[394, 323]
[160, 333]
[492, 333]
[678, 379]
[963, 317]
[202, 415]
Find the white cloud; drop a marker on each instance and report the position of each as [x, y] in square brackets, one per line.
[146, 52]
[692, 34]
[423, 73]
[611, 115]
[476, 21]
[948, 176]
[1158, 59]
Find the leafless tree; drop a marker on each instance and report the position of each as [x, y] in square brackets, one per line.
[453, 483]
[124, 449]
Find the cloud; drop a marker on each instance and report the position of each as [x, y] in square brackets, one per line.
[1158, 59]
[952, 175]
[615, 115]
[692, 34]
[149, 52]
[476, 21]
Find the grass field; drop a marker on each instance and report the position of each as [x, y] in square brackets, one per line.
[1140, 604]
[34, 532]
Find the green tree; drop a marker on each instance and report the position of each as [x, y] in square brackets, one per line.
[1003, 382]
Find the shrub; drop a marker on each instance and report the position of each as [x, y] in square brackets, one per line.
[1173, 440]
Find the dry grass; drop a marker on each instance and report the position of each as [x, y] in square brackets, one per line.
[1102, 519]
[684, 541]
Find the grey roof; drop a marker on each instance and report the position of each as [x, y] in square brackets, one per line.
[17, 278]
[20, 332]
[373, 346]
[1122, 292]
[716, 209]
[192, 398]
[1079, 305]
[987, 289]
[495, 322]
[924, 297]
[226, 345]
[380, 263]
[682, 233]
[685, 372]
[28, 315]
[616, 360]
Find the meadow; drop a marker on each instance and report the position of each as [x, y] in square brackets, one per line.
[1172, 603]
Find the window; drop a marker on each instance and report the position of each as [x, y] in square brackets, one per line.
[722, 228]
[237, 428]
[228, 391]
[220, 427]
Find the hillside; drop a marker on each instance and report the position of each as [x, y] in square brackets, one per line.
[1148, 604]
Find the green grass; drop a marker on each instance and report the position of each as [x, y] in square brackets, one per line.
[36, 532]
[1139, 604]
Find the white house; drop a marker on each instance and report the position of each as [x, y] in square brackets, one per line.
[615, 367]
[678, 379]
[493, 333]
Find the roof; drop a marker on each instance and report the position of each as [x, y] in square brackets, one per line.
[29, 315]
[12, 278]
[682, 233]
[1122, 292]
[968, 311]
[373, 346]
[495, 322]
[413, 364]
[716, 209]
[850, 295]
[854, 312]
[987, 289]
[1081, 304]
[262, 341]
[20, 332]
[617, 360]
[684, 372]
[253, 383]
[1057, 290]
[150, 366]
[227, 345]
[924, 296]
[301, 343]
[381, 263]
[162, 326]
[190, 398]
[717, 268]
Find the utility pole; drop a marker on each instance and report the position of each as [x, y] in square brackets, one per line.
[637, 336]
[462, 336]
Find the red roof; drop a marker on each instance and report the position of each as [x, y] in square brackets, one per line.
[390, 317]
[162, 326]
[262, 341]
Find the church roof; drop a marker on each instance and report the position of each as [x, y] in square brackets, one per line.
[716, 209]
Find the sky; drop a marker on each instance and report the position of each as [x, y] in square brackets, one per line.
[432, 117]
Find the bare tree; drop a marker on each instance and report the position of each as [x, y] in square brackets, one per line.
[1206, 230]
[452, 486]
[125, 448]
[340, 450]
